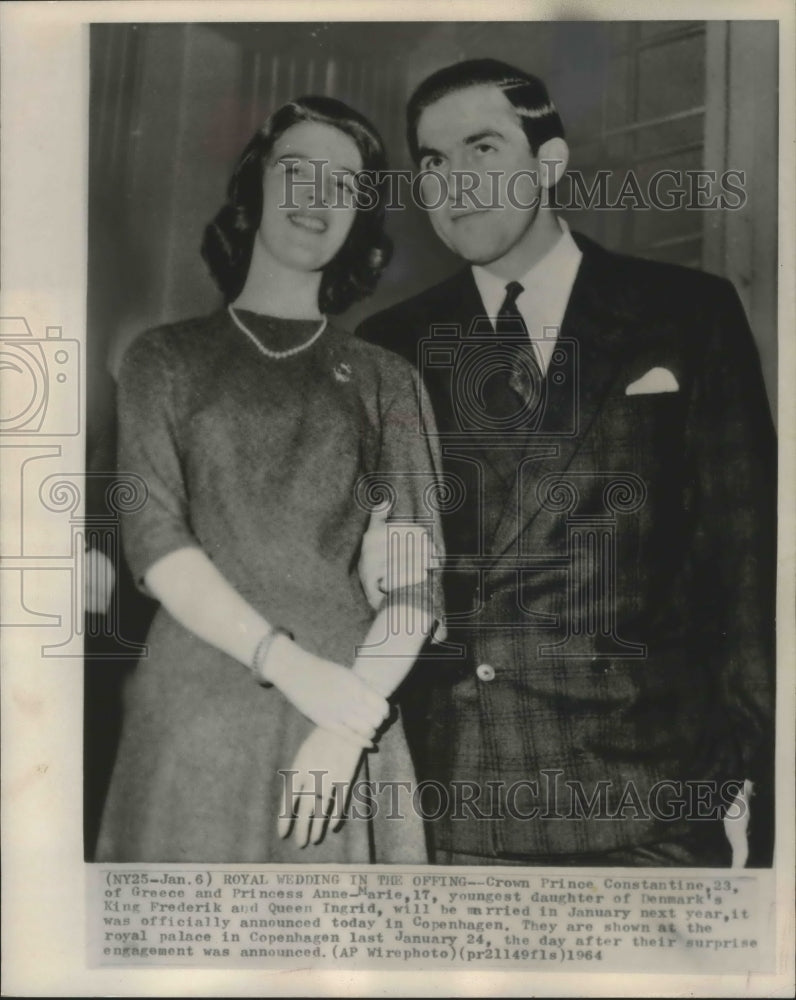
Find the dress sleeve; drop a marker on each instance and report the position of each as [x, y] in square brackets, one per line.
[402, 550]
[149, 447]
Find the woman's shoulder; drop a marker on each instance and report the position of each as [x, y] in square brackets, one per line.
[386, 365]
[194, 330]
[166, 343]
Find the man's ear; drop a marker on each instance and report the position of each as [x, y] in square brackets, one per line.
[553, 157]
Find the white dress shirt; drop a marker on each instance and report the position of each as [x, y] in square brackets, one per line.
[543, 300]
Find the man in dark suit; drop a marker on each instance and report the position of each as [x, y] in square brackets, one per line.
[606, 687]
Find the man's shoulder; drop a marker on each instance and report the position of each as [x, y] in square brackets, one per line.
[427, 300]
[666, 282]
[400, 326]
[668, 277]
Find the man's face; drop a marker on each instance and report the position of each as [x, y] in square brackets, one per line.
[478, 130]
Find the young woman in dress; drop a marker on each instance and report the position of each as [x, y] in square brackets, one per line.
[263, 433]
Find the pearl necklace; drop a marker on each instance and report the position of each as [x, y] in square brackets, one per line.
[277, 355]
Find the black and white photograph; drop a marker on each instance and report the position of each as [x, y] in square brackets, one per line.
[400, 498]
[605, 531]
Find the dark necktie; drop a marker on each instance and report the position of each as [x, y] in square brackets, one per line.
[522, 373]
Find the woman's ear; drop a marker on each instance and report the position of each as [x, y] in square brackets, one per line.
[553, 157]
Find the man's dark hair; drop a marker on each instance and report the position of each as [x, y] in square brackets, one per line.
[357, 266]
[527, 93]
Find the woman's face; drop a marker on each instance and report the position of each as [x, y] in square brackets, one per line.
[308, 195]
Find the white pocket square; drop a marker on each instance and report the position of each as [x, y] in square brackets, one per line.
[655, 380]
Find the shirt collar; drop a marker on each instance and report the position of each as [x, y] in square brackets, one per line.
[547, 284]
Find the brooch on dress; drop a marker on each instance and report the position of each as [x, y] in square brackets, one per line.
[342, 372]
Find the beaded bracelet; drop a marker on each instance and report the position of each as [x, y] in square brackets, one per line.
[262, 650]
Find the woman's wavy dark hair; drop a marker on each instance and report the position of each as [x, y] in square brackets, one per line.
[354, 271]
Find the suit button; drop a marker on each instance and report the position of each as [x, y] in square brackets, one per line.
[484, 672]
[600, 664]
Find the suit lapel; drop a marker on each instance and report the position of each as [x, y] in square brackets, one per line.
[498, 461]
[456, 303]
[484, 468]
[453, 306]
[462, 307]
[597, 326]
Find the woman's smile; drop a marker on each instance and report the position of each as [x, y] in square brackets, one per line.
[308, 222]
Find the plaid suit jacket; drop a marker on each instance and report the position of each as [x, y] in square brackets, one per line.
[608, 677]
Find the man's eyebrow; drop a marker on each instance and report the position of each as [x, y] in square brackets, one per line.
[470, 140]
[489, 133]
[427, 151]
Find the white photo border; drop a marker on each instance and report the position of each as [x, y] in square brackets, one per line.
[44, 93]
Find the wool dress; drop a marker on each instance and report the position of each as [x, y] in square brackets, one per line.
[281, 471]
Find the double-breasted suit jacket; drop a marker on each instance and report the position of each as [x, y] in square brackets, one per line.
[609, 667]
